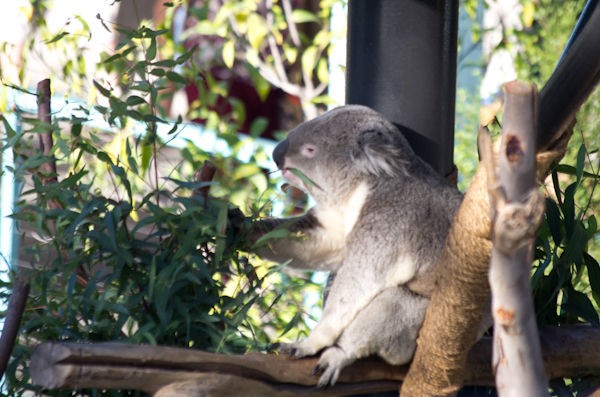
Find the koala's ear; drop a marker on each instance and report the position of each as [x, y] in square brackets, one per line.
[378, 154]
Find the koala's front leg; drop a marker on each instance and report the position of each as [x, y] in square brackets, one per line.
[369, 266]
[388, 327]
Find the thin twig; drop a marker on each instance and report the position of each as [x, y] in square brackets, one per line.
[293, 29]
[12, 322]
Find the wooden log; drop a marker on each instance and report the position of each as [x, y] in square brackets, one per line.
[151, 368]
[567, 351]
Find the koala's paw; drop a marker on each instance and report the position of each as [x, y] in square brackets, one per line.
[332, 361]
[298, 349]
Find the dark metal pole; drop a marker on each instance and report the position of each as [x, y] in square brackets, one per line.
[574, 79]
[402, 63]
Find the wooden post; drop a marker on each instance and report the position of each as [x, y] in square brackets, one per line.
[517, 210]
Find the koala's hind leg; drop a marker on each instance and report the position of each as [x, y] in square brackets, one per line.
[387, 327]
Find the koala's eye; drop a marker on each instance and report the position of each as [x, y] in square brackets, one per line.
[309, 150]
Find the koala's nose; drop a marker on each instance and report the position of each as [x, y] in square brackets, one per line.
[279, 152]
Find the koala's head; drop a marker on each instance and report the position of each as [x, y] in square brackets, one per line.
[343, 146]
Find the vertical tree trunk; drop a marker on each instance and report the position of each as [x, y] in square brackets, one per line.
[47, 170]
[517, 210]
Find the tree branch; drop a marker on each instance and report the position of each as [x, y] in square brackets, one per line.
[166, 371]
[48, 168]
[453, 316]
[517, 211]
[12, 321]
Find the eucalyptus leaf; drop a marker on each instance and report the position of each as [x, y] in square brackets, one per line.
[579, 304]
[306, 180]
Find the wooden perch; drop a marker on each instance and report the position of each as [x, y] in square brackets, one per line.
[168, 371]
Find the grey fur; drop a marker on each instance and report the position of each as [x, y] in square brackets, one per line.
[381, 219]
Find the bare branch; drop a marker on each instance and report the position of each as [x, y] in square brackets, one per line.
[12, 321]
[287, 9]
[48, 168]
[273, 48]
[518, 209]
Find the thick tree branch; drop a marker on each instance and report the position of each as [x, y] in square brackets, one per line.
[166, 371]
[454, 314]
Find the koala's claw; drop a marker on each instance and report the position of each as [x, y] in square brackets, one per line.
[330, 365]
[329, 375]
[317, 370]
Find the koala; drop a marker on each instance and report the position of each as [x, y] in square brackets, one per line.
[380, 221]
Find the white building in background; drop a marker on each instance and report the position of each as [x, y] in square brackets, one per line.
[499, 46]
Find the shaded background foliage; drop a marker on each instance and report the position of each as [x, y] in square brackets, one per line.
[124, 249]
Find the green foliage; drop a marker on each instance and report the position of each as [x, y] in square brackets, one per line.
[566, 273]
[541, 42]
[286, 47]
[566, 278]
[125, 248]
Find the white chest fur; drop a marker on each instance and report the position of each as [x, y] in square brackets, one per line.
[338, 218]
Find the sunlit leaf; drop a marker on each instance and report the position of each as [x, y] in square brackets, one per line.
[528, 13]
[228, 53]
[57, 37]
[302, 16]
[245, 171]
[290, 52]
[257, 30]
[323, 70]
[309, 60]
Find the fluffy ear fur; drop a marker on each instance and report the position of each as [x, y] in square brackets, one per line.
[378, 154]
